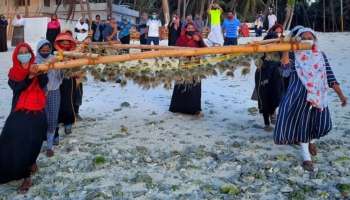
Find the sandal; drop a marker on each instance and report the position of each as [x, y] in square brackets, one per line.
[313, 149]
[308, 165]
[26, 184]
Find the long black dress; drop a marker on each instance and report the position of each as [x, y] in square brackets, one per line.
[173, 34]
[186, 99]
[67, 114]
[269, 87]
[3, 35]
[22, 136]
[51, 35]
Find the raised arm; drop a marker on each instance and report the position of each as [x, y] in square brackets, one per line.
[210, 7]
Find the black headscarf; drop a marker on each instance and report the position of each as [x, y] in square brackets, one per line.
[3, 21]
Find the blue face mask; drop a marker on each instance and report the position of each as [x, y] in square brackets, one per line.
[24, 58]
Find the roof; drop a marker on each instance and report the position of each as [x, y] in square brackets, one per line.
[125, 10]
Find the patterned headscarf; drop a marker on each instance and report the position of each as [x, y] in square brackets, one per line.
[311, 69]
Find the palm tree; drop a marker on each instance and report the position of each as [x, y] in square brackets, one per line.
[165, 5]
[289, 14]
[248, 8]
[109, 7]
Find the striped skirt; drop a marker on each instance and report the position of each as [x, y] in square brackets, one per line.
[298, 122]
[52, 109]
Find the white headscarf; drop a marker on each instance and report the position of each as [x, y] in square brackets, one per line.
[311, 69]
[18, 22]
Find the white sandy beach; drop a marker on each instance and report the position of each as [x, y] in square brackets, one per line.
[139, 150]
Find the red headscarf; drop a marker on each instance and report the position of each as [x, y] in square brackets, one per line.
[184, 41]
[53, 24]
[33, 97]
[67, 37]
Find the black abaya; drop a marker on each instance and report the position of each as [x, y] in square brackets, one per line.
[20, 144]
[3, 35]
[67, 114]
[22, 137]
[51, 35]
[174, 34]
[186, 99]
[269, 86]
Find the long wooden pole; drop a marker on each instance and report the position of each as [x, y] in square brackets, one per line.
[133, 46]
[175, 53]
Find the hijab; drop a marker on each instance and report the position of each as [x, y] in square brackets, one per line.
[65, 36]
[39, 58]
[311, 69]
[33, 97]
[54, 24]
[55, 76]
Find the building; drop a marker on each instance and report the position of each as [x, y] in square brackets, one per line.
[37, 8]
[44, 8]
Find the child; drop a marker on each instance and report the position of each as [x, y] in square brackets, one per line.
[269, 82]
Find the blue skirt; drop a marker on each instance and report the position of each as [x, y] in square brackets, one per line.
[297, 121]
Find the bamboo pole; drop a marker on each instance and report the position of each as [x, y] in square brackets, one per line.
[135, 46]
[74, 54]
[158, 47]
[242, 49]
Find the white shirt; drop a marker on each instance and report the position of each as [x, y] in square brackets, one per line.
[272, 20]
[153, 27]
[81, 36]
[18, 22]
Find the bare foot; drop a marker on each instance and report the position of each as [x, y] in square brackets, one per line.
[313, 149]
[308, 165]
[50, 153]
[26, 184]
[34, 169]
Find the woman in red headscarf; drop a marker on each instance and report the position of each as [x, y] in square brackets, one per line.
[67, 115]
[186, 97]
[25, 127]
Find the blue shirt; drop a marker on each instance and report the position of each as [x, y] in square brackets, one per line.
[124, 29]
[231, 27]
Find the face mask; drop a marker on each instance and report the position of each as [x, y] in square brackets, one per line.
[190, 33]
[230, 17]
[44, 55]
[24, 58]
[154, 16]
[81, 23]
